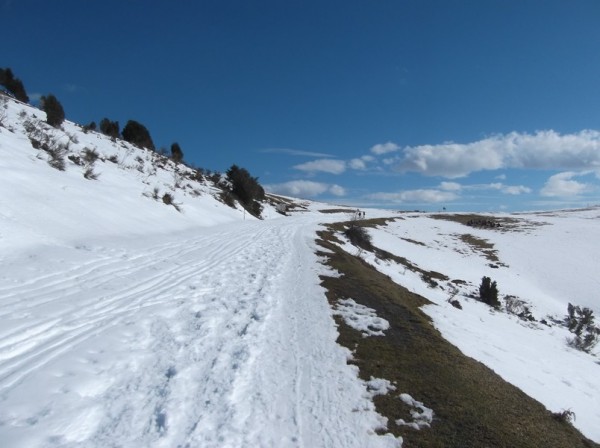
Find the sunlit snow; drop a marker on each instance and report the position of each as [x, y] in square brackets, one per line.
[124, 322]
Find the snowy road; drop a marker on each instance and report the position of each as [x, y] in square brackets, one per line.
[220, 337]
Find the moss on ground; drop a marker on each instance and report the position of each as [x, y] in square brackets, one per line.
[473, 406]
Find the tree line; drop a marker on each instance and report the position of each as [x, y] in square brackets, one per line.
[242, 186]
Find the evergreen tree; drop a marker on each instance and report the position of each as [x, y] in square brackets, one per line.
[488, 292]
[109, 128]
[13, 85]
[137, 134]
[55, 114]
[176, 153]
[246, 188]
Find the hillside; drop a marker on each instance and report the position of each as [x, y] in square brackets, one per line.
[126, 320]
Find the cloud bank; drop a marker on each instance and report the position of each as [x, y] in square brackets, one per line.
[331, 166]
[562, 185]
[305, 188]
[542, 150]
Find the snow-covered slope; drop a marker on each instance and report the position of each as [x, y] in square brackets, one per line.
[124, 322]
[546, 260]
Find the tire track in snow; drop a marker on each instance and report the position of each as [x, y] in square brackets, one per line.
[87, 312]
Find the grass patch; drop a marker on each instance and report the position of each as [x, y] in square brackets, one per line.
[337, 210]
[482, 246]
[430, 277]
[506, 223]
[473, 406]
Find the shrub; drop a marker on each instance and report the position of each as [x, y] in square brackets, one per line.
[3, 107]
[55, 114]
[359, 236]
[176, 153]
[518, 308]
[137, 134]
[456, 304]
[90, 127]
[488, 292]
[580, 322]
[246, 188]
[13, 85]
[57, 153]
[169, 200]
[90, 156]
[564, 416]
[90, 174]
[109, 128]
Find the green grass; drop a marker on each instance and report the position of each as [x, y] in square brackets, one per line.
[473, 406]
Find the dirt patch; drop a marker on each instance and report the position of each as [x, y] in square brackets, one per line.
[337, 210]
[501, 224]
[483, 247]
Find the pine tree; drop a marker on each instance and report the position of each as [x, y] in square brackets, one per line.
[488, 292]
[55, 114]
[137, 134]
[176, 153]
[13, 85]
[109, 128]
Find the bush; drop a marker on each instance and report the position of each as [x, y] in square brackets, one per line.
[564, 416]
[90, 127]
[359, 236]
[109, 128]
[580, 322]
[13, 85]
[176, 153]
[169, 200]
[518, 308]
[55, 114]
[246, 188]
[488, 292]
[137, 134]
[90, 174]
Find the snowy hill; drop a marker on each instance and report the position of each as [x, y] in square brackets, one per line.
[543, 261]
[127, 322]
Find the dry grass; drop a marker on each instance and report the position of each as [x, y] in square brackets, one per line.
[484, 247]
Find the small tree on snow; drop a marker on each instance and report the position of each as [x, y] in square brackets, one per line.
[55, 113]
[488, 292]
[176, 153]
[580, 322]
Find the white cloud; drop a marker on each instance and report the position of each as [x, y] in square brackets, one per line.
[295, 152]
[415, 196]
[305, 188]
[384, 148]
[507, 189]
[332, 166]
[336, 190]
[542, 150]
[515, 189]
[563, 185]
[357, 164]
[450, 186]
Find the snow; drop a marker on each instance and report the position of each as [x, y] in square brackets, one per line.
[361, 318]
[124, 322]
[421, 415]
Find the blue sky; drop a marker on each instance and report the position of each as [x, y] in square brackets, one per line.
[409, 104]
